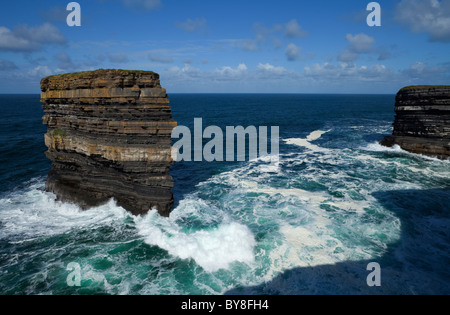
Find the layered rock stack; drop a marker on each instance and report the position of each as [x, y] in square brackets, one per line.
[109, 136]
[422, 122]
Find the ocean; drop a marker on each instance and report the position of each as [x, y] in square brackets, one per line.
[310, 223]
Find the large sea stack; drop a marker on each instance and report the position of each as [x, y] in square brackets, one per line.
[109, 136]
[422, 122]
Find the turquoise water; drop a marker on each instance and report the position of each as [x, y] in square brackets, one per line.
[307, 224]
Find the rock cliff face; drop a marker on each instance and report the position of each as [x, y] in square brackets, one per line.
[109, 136]
[422, 122]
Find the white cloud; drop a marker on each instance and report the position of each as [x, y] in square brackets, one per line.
[293, 29]
[25, 38]
[44, 34]
[420, 70]
[267, 68]
[40, 71]
[292, 52]
[426, 16]
[9, 41]
[360, 43]
[192, 25]
[240, 73]
[345, 72]
[271, 36]
[187, 72]
[231, 72]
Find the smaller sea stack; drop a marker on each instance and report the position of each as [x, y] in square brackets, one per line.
[109, 136]
[422, 121]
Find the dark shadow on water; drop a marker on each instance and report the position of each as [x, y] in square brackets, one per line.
[419, 263]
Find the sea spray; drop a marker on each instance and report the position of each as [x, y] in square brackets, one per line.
[35, 213]
[213, 248]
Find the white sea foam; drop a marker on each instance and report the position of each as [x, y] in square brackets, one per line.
[315, 135]
[267, 164]
[311, 224]
[33, 213]
[376, 147]
[213, 248]
[306, 143]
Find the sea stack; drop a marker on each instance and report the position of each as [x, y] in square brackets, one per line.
[422, 122]
[109, 136]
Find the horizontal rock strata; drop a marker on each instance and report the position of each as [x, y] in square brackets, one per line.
[109, 136]
[422, 122]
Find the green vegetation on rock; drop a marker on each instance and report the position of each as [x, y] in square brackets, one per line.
[423, 87]
[60, 133]
[99, 72]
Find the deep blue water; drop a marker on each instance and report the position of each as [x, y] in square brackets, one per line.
[307, 224]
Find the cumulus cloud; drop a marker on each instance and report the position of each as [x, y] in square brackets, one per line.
[349, 72]
[25, 38]
[334, 76]
[267, 68]
[239, 73]
[292, 52]
[293, 29]
[186, 73]
[224, 73]
[192, 25]
[426, 16]
[40, 72]
[420, 70]
[271, 36]
[230, 71]
[10, 42]
[358, 44]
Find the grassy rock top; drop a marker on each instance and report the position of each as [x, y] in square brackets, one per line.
[424, 87]
[100, 73]
[102, 78]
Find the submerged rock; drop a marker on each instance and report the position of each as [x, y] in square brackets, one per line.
[109, 136]
[422, 122]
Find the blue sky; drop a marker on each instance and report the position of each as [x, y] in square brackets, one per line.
[231, 46]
